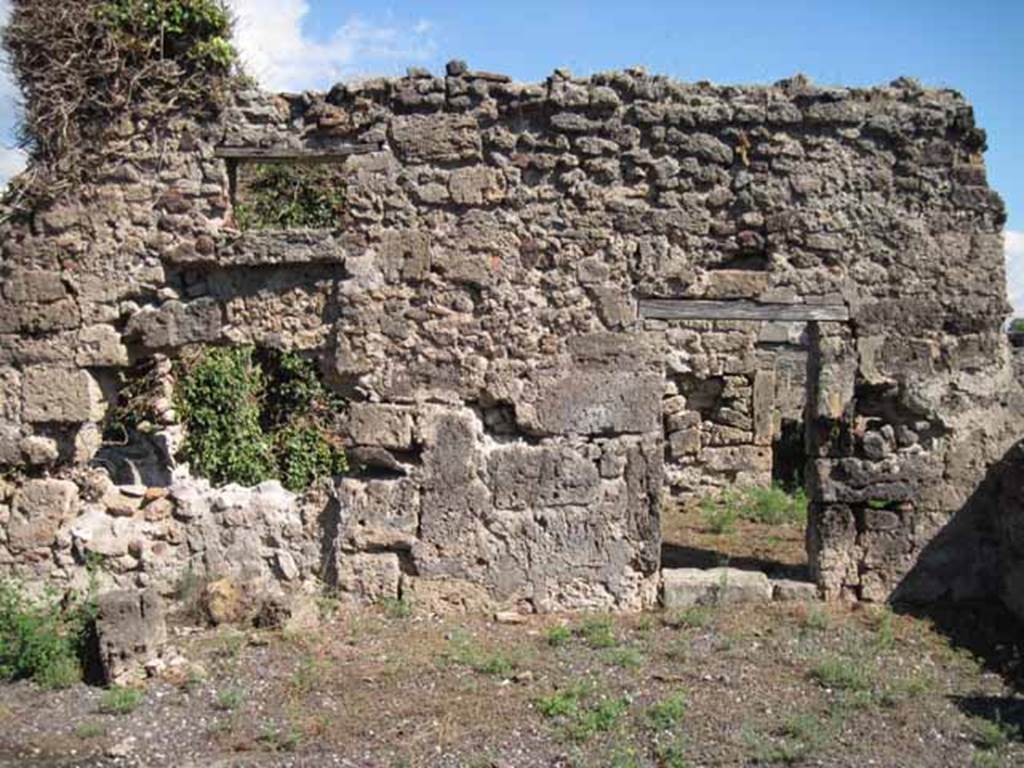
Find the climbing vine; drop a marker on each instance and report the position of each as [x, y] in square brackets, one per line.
[92, 69]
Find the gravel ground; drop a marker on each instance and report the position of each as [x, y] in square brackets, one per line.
[371, 687]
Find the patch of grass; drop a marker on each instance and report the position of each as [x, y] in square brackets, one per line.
[466, 652]
[625, 657]
[278, 739]
[90, 730]
[229, 699]
[600, 717]
[598, 632]
[770, 506]
[672, 755]
[582, 712]
[799, 737]
[992, 734]
[666, 714]
[816, 619]
[842, 674]
[118, 700]
[558, 636]
[678, 649]
[694, 617]
[720, 514]
[396, 607]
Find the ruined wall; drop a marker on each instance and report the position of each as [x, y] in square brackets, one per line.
[481, 305]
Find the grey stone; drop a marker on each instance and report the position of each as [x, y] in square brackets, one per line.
[39, 508]
[175, 323]
[386, 426]
[61, 395]
[788, 590]
[686, 587]
[130, 631]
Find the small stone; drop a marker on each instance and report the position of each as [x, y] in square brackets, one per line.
[510, 617]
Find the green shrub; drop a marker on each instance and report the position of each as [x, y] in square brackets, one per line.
[667, 713]
[719, 514]
[694, 617]
[220, 396]
[598, 632]
[842, 674]
[118, 700]
[558, 635]
[191, 30]
[252, 417]
[40, 638]
[278, 196]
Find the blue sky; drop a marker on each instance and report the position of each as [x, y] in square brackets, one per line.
[977, 48]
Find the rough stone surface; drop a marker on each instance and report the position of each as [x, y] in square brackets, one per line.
[130, 631]
[686, 587]
[513, 419]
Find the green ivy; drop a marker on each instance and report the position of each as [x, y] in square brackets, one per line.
[254, 416]
[196, 30]
[277, 196]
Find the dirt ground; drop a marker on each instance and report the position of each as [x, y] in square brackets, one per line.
[774, 684]
[778, 550]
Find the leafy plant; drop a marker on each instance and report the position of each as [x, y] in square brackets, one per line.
[667, 713]
[842, 674]
[229, 699]
[598, 632]
[694, 617]
[251, 417]
[219, 401]
[771, 506]
[278, 196]
[558, 635]
[118, 700]
[42, 639]
[195, 30]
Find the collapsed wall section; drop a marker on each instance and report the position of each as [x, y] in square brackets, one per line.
[477, 299]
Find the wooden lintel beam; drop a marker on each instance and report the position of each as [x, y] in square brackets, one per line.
[294, 155]
[700, 309]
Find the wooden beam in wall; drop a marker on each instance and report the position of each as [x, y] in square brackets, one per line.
[293, 154]
[700, 309]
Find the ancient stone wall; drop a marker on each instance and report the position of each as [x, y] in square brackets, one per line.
[826, 257]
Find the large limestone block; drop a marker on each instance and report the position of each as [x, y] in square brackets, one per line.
[53, 394]
[525, 477]
[176, 323]
[34, 285]
[596, 403]
[435, 138]
[369, 576]
[130, 630]
[378, 514]
[40, 508]
[686, 587]
[385, 426]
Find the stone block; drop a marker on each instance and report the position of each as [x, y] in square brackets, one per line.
[764, 406]
[378, 514]
[385, 426]
[175, 323]
[524, 477]
[61, 395]
[34, 286]
[476, 185]
[435, 138]
[40, 507]
[100, 346]
[790, 590]
[130, 631]
[687, 587]
[369, 577]
[10, 444]
[405, 254]
[601, 403]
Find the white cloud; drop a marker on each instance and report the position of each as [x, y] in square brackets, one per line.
[1015, 270]
[282, 57]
